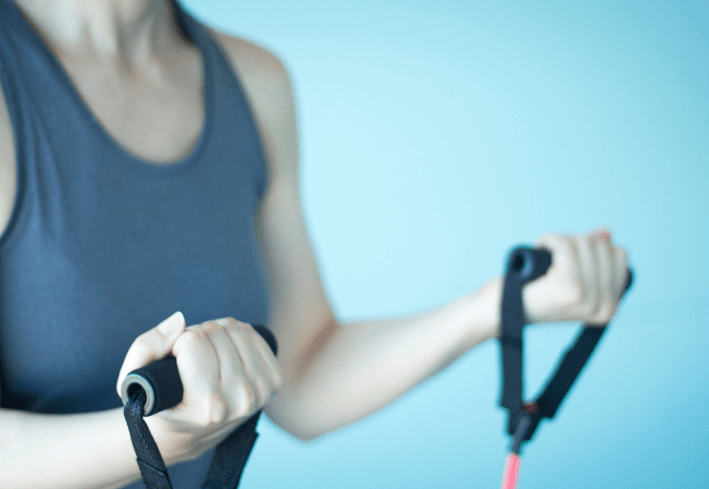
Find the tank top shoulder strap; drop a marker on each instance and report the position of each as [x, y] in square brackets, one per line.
[226, 80]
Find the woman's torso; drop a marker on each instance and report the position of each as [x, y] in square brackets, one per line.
[135, 199]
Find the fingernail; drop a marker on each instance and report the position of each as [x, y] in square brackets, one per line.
[172, 324]
[604, 234]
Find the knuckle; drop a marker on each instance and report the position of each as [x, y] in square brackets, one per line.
[592, 304]
[623, 254]
[572, 250]
[596, 312]
[564, 244]
[189, 339]
[604, 316]
[278, 380]
[228, 322]
[263, 390]
[210, 327]
[609, 309]
[611, 312]
[598, 240]
[587, 311]
[599, 319]
[570, 241]
[544, 239]
[141, 345]
[246, 328]
[217, 409]
[247, 400]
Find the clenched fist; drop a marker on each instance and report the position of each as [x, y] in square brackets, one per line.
[228, 372]
[584, 283]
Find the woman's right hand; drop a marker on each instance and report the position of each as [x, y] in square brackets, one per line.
[228, 372]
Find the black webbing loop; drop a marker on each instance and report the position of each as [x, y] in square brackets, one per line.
[227, 463]
[525, 265]
[231, 455]
[152, 466]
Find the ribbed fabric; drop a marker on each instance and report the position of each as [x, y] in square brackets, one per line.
[103, 245]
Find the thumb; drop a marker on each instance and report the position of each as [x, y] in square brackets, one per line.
[155, 344]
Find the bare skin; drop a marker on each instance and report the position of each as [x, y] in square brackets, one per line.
[132, 68]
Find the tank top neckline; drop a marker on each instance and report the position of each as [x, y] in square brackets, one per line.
[124, 154]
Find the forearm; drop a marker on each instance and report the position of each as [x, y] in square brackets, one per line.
[362, 366]
[91, 450]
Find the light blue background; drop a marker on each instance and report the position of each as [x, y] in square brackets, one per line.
[437, 135]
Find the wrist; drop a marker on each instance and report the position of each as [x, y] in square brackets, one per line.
[481, 313]
[488, 301]
[173, 447]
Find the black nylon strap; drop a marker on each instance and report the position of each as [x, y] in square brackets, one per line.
[227, 463]
[511, 343]
[231, 456]
[525, 265]
[568, 370]
[152, 466]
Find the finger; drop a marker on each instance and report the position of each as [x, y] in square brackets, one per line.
[269, 361]
[238, 335]
[233, 381]
[198, 366]
[265, 384]
[563, 255]
[565, 274]
[620, 256]
[606, 279]
[155, 344]
[601, 231]
[257, 378]
[231, 365]
[588, 262]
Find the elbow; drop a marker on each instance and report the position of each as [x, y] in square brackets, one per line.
[304, 435]
[293, 426]
[301, 434]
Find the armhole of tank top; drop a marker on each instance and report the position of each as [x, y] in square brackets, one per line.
[263, 170]
[8, 91]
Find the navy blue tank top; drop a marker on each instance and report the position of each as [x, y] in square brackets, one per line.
[102, 245]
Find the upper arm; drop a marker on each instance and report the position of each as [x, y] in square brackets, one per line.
[8, 171]
[300, 312]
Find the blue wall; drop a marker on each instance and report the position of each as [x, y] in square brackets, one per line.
[434, 137]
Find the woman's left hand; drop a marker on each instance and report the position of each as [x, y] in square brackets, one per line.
[585, 281]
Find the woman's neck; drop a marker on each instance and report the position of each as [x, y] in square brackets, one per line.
[130, 32]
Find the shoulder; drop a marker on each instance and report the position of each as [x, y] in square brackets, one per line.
[254, 60]
[267, 86]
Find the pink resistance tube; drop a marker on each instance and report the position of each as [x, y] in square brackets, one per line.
[509, 480]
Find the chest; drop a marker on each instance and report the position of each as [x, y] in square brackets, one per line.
[156, 114]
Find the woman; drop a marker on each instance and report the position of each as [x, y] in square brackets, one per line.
[148, 164]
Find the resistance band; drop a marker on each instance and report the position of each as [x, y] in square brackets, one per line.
[156, 387]
[524, 265]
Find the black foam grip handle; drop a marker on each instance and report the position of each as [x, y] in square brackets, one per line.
[267, 335]
[163, 376]
[532, 263]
